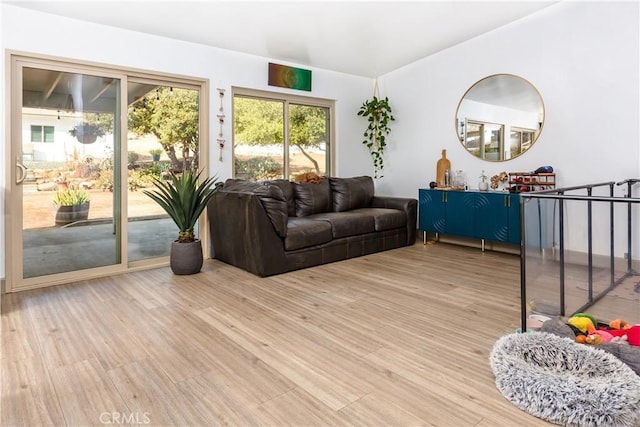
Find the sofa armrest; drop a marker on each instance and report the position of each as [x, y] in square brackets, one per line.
[408, 205]
[242, 233]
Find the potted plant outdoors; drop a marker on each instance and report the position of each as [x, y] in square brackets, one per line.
[378, 113]
[87, 133]
[72, 206]
[184, 198]
[155, 154]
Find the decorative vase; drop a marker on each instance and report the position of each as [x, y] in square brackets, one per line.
[69, 214]
[186, 258]
[483, 186]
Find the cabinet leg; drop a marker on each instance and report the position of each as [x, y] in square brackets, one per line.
[424, 237]
[482, 240]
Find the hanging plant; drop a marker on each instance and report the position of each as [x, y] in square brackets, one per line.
[87, 133]
[378, 113]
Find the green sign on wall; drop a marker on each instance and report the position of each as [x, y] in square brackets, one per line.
[289, 77]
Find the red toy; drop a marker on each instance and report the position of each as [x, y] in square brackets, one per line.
[632, 333]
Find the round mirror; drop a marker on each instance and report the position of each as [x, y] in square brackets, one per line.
[500, 117]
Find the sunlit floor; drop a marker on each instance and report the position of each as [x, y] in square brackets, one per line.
[93, 244]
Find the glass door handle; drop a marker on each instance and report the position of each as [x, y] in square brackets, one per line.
[23, 171]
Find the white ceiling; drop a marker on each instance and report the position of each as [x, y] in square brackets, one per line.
[366, 38]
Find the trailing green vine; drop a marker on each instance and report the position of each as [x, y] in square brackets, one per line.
[378, 113]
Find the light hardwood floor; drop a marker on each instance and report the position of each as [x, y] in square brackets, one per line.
[399, 338]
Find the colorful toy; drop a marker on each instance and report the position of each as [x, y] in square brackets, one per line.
[632, 333]
[605, 335]
[594, 339]
[584, 324]
[619, 324]
[587, 315]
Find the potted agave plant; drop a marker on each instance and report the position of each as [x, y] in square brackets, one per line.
[184, 198]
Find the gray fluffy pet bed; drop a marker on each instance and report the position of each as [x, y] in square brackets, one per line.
[565, 383]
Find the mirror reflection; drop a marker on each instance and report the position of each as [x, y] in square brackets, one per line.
[499, 117]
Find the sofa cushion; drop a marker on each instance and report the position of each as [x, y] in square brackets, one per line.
[304, 232]
[345, 224]
[384, 219]
[271, 197]
[351, 193]
[287, 189]
[312, 198]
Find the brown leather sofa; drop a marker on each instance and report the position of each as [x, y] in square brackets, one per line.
[272, 227]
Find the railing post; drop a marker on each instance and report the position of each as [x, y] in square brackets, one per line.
[612, 261]
[629, 185]
[590, 243]
[561, 243]
[523, 263]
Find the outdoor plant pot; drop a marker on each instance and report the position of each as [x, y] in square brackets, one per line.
[186, 258]
[155, 157]
[86, 138]
[69, 214]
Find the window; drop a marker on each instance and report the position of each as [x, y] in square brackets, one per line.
[521, 140]
[42, 133]
[280, 136]
[485, 140]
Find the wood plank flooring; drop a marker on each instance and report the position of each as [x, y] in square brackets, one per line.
[399, 338]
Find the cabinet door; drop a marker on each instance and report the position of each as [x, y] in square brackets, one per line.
[514, 218]
[431, 211]
[459, 213]
[492, 216]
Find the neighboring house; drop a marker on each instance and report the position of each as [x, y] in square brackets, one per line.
[46, 138]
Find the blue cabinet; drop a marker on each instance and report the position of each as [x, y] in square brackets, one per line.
[433, 218]
[491, 216]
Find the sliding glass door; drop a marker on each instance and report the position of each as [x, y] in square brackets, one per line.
[85, 143]
[163, 137]
[70, 141]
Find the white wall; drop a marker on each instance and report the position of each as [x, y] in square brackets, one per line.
[3, 161]
[30, 31]
[582, 57]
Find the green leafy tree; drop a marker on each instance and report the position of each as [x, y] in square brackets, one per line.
[260, 122]
[171, 114]
[103, 120]
[308, 129]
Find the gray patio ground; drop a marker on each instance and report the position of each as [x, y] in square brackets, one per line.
[93, 244]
